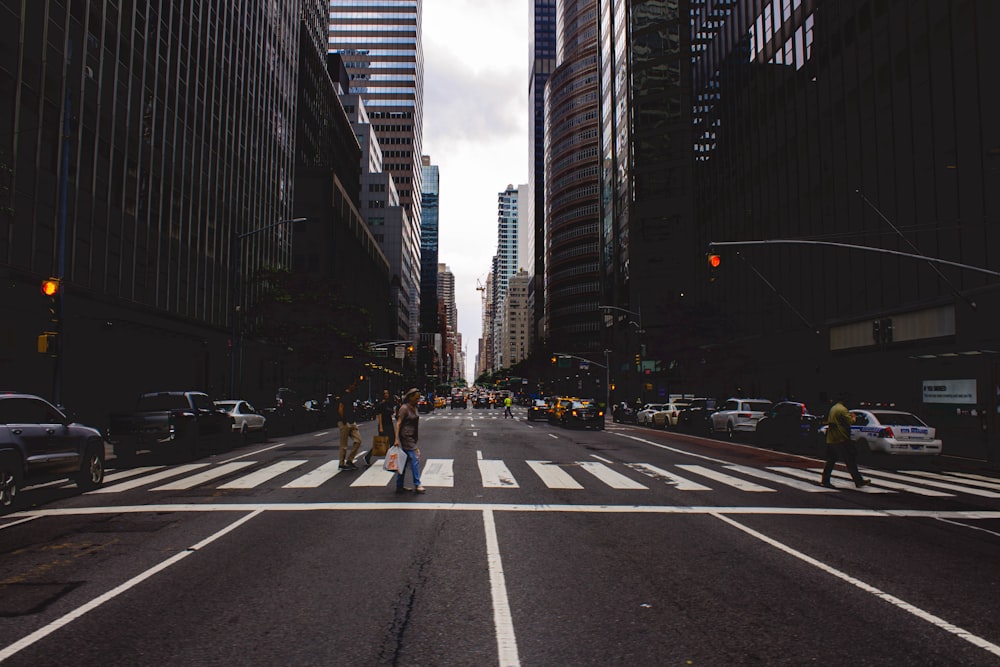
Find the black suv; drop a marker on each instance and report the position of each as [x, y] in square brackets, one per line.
[38, 443]
[695, 418]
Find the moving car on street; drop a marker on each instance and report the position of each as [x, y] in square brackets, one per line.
[739, 415]
[246, 419]
[538, 410]
[787, 423]
[894, 432]
[39, 443]
[584, 414]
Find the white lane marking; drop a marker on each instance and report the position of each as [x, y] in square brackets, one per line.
[475, 435]
[45, 631]
[479, 455]
[780, 479]
[962, 479]
[928, 482]
[149, 479]
[553, 476]
[614, 479]
[678, 482]
[254, 453]
[321, 434]
[553, 435]
[496, 475]
[965, 525]
[969, 475]
[966, 515]
[125, 474]
[260, 476]
[602, 459]
[317, 477]
[502, 620]
[936, 621]
[817, 477]
[437, 473]
[206, 476]
[723, 478]
[19, 521]
[374, 476]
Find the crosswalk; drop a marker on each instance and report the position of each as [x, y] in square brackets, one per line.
[568, 475]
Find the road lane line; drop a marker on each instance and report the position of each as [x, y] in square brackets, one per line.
[258, 477]
[149, 479]
[678, 482]
[937, 621]
[962, 479]
[808, 487]
[125, 474]
[502, 620]
[723, 478]
[202, 477]
[553, 476]
[871, 488]
[254, 453]
[19, 521]
[317, 477]
[602, 459]
[878, 475]
[496, 475]
[614, 479]
[553, 435]
[374, 476]
[438, 473]
[45, 631]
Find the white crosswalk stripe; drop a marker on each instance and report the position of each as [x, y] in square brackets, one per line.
[206, 476]
[728, 480]
[680, 483]
[553, 475]
[500, 474]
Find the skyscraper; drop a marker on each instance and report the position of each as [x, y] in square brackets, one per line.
[380, 41]
[428, 256]
[505, 263]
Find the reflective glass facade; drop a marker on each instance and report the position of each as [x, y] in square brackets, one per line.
[429, 248]
[572, 203]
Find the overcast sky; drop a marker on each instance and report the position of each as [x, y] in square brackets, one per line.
[476, 130]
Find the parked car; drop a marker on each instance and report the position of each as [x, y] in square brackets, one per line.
[623, 413]
[667, 417]
[39, 443]
[894, 432]
[645, 416]
[584, 415]
[739, 415]
[538, 410]
[246, 419]
[179, 423]
[787, 423]
[695, 417]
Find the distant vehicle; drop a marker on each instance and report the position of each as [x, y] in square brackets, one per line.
[645, 416]
[289, 413]
[538, 410]
[181, 424]
[557, 409]
[246, 419]
[787, 423]
[739, 415]
[482, 401]
[425, 405]
[894, 432]
[39, 443]
[623, 413]
[695, 417]
[459, 401]
[667, 417]
[584, 415]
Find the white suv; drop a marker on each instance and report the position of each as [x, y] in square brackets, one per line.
[739, 415]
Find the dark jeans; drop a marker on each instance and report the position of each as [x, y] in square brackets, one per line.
[845, 451]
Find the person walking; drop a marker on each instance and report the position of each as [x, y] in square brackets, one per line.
[407, 427]
[838, 443]
[384, 413]
[507, 402]
[347, 421]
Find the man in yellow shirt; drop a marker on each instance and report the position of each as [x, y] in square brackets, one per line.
[838, 443]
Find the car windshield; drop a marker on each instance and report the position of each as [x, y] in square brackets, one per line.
[226, 405]
[541, 404]
[898, 419]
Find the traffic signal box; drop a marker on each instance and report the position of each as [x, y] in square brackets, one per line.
[48, 341]
[714, 261]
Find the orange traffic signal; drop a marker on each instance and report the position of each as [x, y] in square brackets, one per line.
[714, 261]
[50, 287]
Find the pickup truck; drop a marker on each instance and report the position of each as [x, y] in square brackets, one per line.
[180, 424]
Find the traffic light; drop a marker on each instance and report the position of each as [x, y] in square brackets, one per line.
[50, 287]
[714, 261]
[48, 343]
[638, 360]
[554, 360]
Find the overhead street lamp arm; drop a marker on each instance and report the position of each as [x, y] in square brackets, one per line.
[573, 356]
[637, 314]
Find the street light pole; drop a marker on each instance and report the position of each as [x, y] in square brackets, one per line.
[235, 258]
[639, 332]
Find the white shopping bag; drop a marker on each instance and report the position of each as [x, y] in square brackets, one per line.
[395, 459]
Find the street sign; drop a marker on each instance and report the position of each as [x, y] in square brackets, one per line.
[400, 352]
[380, 352]
[584, 365]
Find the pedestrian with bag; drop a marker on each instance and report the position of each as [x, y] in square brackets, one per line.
[384, 412]
[347, 421]
[839, 444]
[406, 435]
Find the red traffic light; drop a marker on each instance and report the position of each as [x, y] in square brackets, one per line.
[50, 287]
[714, 261]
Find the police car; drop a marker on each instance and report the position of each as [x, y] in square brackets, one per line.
[893, 432]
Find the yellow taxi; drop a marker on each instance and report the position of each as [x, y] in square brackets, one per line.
[558, 408]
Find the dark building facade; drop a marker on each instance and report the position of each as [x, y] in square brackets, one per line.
[572, 202]
[542, 59]
[850, 145]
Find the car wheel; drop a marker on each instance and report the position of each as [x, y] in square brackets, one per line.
[730, 432]
[243, 432]
[91, 474]
[10, 481]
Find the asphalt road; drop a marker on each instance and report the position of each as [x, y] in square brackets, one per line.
[533, 545]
